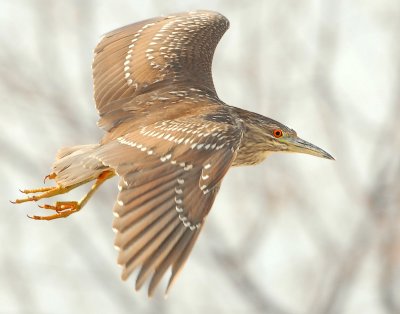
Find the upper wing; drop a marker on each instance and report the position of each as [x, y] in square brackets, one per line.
[170, 174]
[155, 53]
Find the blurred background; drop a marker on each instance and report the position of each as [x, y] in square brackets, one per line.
[296, 234]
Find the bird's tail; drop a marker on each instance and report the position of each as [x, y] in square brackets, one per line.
[75, 165]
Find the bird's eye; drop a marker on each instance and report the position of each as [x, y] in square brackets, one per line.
[278, 133]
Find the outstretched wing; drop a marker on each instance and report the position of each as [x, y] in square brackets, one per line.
[155, 53]
[170, 174]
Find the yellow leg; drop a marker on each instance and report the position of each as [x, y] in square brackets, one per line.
[62, 209]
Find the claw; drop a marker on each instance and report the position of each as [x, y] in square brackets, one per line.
[33, 217]
[50, 176]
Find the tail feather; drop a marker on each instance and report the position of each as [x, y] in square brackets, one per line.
[75, 165]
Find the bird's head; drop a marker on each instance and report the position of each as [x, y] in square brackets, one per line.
[266, 135]
[281, 138]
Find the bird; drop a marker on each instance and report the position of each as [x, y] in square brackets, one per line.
[168, 137]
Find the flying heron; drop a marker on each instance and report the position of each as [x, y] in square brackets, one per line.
[168, 137]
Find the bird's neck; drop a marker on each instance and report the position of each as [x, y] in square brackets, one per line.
[254, 146]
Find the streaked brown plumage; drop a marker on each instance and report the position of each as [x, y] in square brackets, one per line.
[168, 137]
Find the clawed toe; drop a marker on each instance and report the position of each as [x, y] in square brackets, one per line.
[39, 190]
[50, 176]
[62, 209]
[61, 206]
[40, 193]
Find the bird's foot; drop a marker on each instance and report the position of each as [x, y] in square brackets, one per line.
[62, 209]
[40, 193]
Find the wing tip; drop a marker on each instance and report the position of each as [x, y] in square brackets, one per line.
[215, 14]
[124, 274]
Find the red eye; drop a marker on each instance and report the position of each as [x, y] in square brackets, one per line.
[278, 133]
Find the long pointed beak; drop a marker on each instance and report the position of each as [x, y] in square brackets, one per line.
[298, 145]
